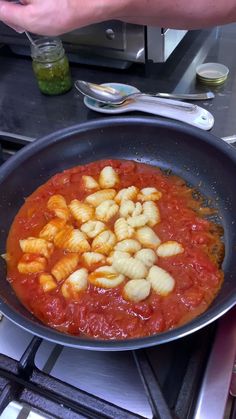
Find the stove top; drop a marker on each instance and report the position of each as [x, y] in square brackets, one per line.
[160, 382]
[184, 379]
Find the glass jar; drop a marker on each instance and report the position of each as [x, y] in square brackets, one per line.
[51, 66]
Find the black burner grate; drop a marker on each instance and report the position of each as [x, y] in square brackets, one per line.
[10, 144]
[171, 387]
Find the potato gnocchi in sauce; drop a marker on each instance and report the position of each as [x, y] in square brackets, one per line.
[114, 250]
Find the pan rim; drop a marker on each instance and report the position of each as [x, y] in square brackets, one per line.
[62, 134]
[55, 336]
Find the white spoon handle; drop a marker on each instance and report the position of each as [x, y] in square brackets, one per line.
[199, 117]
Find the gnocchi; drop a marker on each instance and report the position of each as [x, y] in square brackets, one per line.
[51, 229]
[106, 210]
[137, 221]
[76, 242]
[75, 283]
[161, 281]
[149, 194]
[98, 197]
[89, 182]
[147, 237]
[130, 267]
[136, 290]
[57, 204]
[122, 229]
[47, 282]
[128, 245]
[147, 256]
[65, 266]
[92, 228]
[126, 208]
[31, 264]
[169, 248]
[104, 242]
[137, 210]
[106, 277]
[93, 258]
[37, 246]
[125, 194]
[116, 255]
[129, 208]
[81, 212]
[62, 236]
[152, 213]
[108, 177]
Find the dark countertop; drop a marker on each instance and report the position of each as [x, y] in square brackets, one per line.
[25, 111]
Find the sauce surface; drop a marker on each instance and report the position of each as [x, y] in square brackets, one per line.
[104, 313]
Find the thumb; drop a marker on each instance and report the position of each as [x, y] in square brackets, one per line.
[13, 15]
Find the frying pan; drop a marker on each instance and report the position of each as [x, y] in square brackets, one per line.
[199, 157]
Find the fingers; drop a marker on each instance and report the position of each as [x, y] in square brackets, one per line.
[36, 16]
[16, 28]
[13, 15]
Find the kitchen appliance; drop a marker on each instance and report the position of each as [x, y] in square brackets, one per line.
[187, 151]
[42, 379]
[110, 44]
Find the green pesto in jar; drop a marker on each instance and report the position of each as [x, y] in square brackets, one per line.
[51, 66]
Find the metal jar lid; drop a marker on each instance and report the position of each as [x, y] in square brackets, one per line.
[212, 73]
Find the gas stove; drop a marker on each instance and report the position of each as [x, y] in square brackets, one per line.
[193, 377]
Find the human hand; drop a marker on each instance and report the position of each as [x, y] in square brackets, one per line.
[53, 17]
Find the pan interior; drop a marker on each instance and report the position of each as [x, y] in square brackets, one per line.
[197, 157]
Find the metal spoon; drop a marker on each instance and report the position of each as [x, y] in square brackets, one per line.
[135, 97]
[30, 39]
[109, 95]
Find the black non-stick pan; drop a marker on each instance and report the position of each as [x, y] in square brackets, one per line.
[199, 157]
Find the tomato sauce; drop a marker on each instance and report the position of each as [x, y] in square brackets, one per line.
[103, 313]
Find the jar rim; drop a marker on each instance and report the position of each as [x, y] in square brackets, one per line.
[47, 40]
[47, 49]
